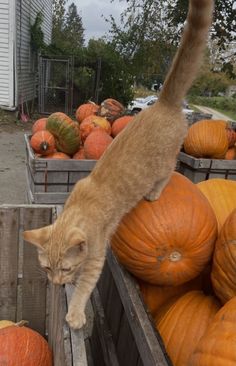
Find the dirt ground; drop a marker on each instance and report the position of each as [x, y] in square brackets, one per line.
[12, 158]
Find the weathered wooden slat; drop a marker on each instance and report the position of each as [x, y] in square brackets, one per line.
[148, 341]
[9, 229]
[126, 342]
[109, 352]
[34, 279]
[111, 301]
[201, 163]
[58, 332]
[79, 357]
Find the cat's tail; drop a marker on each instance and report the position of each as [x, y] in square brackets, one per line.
[190, 53]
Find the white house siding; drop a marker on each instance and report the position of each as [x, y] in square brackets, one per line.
[7, 37]
[26, 12]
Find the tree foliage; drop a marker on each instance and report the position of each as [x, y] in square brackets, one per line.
[147, 26]
[68, 31]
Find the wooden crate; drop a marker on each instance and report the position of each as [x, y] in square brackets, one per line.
[197, 116]
[122, 333]
[123, 330]
[24, 292]
[50, 181]
[199, 169]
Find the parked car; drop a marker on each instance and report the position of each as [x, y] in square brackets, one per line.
[139, 104]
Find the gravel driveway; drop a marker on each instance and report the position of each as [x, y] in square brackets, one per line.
[12, 162]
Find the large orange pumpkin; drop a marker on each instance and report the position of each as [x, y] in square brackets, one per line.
[92, 123]
[182, 323]
[96, 143]
[170, 240]
[223, 273]
[24, 347]
[120, 124]
[156, 296]
[42, 142]
[111, 109]
[221, 194]
[39, 125]
[207, 139]
[85, 110]
[65, 131]
[217, 347]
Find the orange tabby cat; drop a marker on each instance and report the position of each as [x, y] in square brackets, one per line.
[137, 164]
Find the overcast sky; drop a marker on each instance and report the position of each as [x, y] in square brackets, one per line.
[91, 12]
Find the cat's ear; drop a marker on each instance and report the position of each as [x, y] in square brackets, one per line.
[76, 242]
[38, 237]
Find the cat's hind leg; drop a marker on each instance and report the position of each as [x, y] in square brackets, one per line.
[158, 187]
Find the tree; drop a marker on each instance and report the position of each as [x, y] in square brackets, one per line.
[73, 29]
[67, 31]
[161, 21]
[142, 39]
[222, 32]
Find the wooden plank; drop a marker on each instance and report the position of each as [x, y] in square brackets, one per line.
[126, 342]
[212, 164]
[111, 300]
[109, 352]
[9, 228]
[194, 163]
[149, 343]
[58, 331]
[50, 198]
[79, 357]
[34, 279]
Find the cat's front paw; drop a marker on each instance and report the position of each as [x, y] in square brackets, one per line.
[75, 318]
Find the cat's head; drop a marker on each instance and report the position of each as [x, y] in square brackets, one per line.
[61, 252]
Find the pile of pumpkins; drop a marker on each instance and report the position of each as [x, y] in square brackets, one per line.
[214, 139]
[181, 249]
[87, 137]
[20, 345]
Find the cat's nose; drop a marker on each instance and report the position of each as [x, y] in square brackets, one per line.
[57, 281]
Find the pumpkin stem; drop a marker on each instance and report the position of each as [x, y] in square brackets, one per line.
[175, 256]
[22, 323]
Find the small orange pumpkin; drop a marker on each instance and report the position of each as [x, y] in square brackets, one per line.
[217, 347]
[96, 144]
[42, 142]
[23, 346]
[120, 124]
[39, 125]
[231, 153]
[111, 109]
[207, 139]
[183, 322]
[58, 155]
[168, 241]
[223, 273]
[231, 135]
[85, 110]
[92, 123]
[79, 155]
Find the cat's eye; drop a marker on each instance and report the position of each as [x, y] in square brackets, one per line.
[65, 269]
[48, 269]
